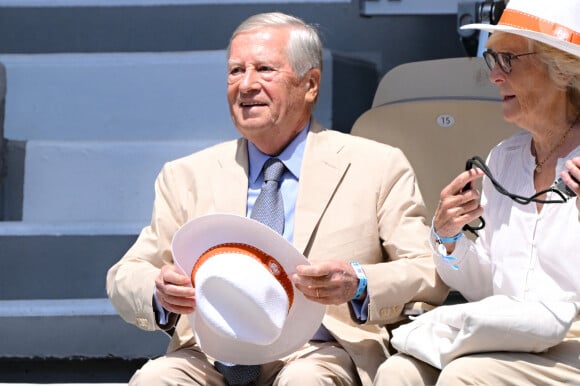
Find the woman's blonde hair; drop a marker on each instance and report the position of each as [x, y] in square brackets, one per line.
[564, 70]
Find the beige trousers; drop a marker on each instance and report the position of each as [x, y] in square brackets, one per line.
[317, 363]
[558, 365]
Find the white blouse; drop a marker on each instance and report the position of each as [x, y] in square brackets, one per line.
[520, 252]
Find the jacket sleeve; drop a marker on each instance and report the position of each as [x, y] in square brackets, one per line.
[409, 273]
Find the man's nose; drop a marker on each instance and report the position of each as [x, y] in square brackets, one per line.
[250, 78]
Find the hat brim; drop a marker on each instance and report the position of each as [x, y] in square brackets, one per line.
[563, 45]
[305, 316]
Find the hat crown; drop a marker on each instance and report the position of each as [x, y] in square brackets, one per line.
[240, 299]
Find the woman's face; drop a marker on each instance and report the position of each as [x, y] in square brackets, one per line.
[529, 95]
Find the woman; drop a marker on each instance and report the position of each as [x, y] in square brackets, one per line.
[531, 253]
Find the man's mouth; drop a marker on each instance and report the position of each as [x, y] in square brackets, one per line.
[251, 104]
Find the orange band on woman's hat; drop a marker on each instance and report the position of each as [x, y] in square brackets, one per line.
[529, 22]
[270, 263]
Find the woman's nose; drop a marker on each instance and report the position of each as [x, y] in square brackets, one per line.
[496, 75]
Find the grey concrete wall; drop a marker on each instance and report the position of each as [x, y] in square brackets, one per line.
[12, 180]
[390, 40]
[2, 141]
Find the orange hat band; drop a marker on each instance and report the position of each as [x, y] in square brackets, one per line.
[523, 20]
[271, 264]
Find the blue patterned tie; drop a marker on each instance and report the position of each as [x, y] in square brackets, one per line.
[269, 210]
[269, 206]
[238, 375]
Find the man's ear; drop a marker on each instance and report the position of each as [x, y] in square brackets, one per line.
[312, 79]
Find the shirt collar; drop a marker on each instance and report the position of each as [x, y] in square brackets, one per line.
[291, 155]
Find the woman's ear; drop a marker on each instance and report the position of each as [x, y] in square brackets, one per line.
[560, 77]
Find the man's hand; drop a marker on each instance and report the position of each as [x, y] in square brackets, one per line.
[174, 290]
[328, 282]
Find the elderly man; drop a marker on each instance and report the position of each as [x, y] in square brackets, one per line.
[350, 205]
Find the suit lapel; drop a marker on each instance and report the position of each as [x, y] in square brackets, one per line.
[322, 172]
[229, 183]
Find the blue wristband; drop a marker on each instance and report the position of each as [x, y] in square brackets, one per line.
[447, 239]
[443, 240]
[450, 260]
[362, 280]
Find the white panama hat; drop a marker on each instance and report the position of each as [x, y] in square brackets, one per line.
[553, 22]
[247, 309]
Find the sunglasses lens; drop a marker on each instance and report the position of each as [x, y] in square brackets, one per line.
[489, 59]
[504, 62]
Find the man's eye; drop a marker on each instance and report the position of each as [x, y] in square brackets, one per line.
[265, 69]
[235, 71]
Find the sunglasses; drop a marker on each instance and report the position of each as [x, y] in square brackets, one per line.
[503, 59]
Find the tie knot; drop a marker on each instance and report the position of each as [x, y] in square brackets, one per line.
[273, 169]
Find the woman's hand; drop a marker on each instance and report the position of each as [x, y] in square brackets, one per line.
[458, 204]
[573, 166]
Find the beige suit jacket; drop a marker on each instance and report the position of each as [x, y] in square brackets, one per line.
[358, 200]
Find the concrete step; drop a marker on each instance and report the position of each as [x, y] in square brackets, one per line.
[64, 329]
[63, 262]
[69, 371]
[63, 384]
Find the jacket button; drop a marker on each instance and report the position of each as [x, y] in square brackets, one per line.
[141, 322]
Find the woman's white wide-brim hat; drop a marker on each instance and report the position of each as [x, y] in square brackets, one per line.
[553, 22]
[247, 309]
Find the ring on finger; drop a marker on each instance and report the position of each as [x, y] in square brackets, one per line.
[318, 292]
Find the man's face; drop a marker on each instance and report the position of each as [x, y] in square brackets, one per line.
[268, 103]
